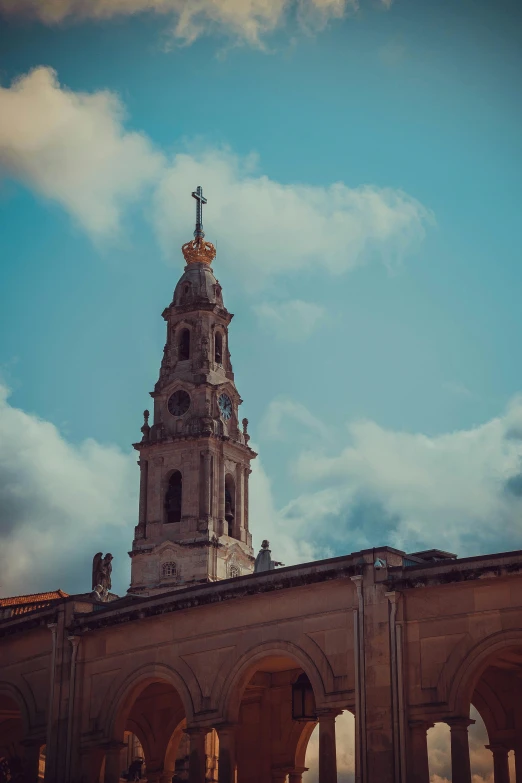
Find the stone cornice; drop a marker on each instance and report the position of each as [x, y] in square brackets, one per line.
[502, 565]
[39, 618]
[143, 446]
[195, 307]
[217, 592]
[449, 572]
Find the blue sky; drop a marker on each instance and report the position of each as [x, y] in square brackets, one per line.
[376, 324]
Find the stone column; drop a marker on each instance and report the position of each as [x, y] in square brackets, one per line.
[221, 494]
[227, 754]
[245, 498]
[75, 642]
[460, 762]
[296, 776]
[90, 764]
[50, 703]
[518, 763]
[239, 510]
[211, 749]
[31, 760]
[418, 767]
[327, 748]
[197, 755]
[206, 483]
[500, 763]
[113, 762]
[144, 474]
[278, 776]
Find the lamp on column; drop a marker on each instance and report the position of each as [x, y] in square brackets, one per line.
[303, 700]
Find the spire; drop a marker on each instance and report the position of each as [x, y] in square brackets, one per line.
[200, 200]
[197, 250]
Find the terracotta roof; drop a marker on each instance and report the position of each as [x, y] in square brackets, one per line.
[20, 604]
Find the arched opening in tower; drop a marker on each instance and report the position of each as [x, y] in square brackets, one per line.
[218, 348]
[184, 345]
[230, 502]
[173, 498]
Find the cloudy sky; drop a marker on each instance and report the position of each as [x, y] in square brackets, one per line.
[362, 164]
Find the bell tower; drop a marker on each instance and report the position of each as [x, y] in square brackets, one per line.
[194, 458]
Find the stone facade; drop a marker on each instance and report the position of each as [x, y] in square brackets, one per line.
[402, 646]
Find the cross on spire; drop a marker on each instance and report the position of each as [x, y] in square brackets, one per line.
[200, 200]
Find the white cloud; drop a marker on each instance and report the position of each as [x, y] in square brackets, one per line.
[291, 320]
[286, 544]
[345, 744]
[246, 20]
[73, 148]
[60, 503]
[457, 388]
[267, 228]
[283, 412]
[460, 491]
[439, 751]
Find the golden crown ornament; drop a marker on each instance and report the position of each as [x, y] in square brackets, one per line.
[198, 251]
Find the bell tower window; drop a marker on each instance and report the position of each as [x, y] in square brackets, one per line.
[230, 502]
[218, 348]
[184, 345]
[173, 498]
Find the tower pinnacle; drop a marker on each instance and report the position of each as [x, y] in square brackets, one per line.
[197, 250]
[194, 454]
[200, 200]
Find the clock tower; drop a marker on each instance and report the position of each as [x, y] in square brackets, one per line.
[194, 458]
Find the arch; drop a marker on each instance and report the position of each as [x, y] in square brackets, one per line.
[121, 703]
[489, 706]
[174, 497]
[460, 683]
[172, 747]
[302, 743]
[10, 691]
[238, 678]
[135, 728]
[218, 347]
[184, 344]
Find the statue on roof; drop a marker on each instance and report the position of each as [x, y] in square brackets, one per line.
[264, 560]
[101, 574]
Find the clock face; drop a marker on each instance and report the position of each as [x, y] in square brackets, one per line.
[225, 406]
[179, 403]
